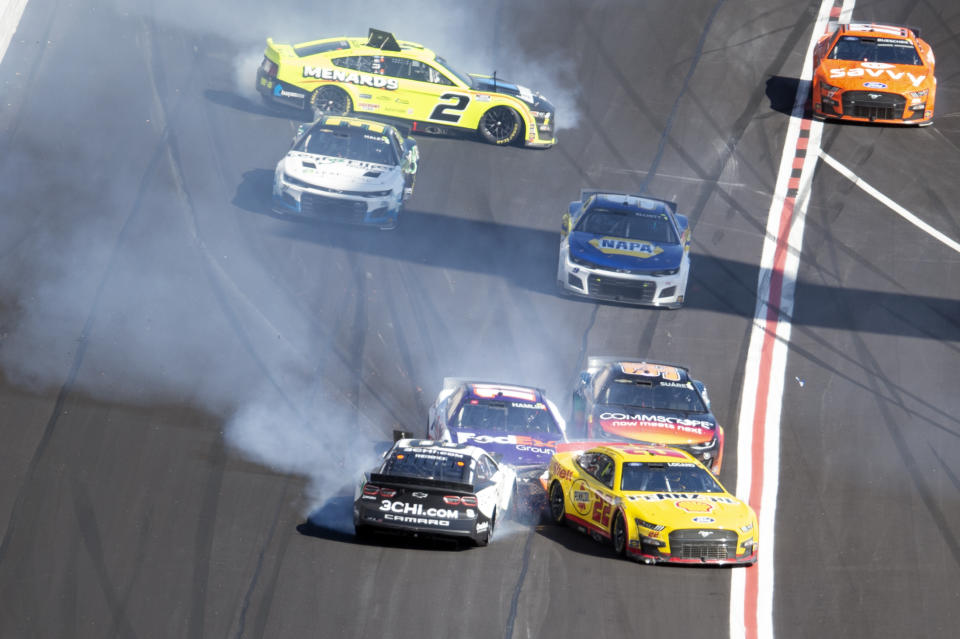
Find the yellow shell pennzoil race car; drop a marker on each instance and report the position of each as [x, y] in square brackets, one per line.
[394, 80]
[652, 504]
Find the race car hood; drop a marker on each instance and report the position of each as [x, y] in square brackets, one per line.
[854, 75]
[486, 83]
[689, 510]
[339, 173]
[655, 427]
[515, 449]
[619, 253]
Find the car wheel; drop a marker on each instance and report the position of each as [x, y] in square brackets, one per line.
[558, 510]
[362, 533]
[487, 536]
[618, 535]
[500, 125]
[330, 100]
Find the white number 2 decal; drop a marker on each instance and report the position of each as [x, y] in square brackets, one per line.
[446, 112]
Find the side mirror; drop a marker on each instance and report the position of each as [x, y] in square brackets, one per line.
[565, 224]
[585, 378]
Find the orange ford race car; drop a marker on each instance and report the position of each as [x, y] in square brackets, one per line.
[874, 73]
[403, 83]
[652, 504]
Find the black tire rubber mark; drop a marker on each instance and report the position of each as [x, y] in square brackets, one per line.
[515, 600]
[662, 144]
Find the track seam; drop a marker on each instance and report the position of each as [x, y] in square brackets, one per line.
[515, 600]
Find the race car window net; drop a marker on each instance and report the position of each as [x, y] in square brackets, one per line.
[885, 50]
[627, 391]
[631, 225]
[349, 143]
[667, 477]
[506, 417]
[423, 465]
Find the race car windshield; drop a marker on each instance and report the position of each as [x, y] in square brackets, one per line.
[428, 465]
[677, 396]
[506, 417]
[352, 143]
[631, 225]
[667, 477]
[463, 77]
[885, 50]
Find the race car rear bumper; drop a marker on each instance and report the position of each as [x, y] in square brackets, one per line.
[398, 523]
[278, 92]
[628, 288]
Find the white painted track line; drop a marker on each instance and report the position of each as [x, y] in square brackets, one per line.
[10, 14]
[899, 210]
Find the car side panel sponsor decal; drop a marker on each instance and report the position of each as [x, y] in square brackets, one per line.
[350, 77]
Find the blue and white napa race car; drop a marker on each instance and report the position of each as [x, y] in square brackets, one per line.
[624, 248]
[349, 170]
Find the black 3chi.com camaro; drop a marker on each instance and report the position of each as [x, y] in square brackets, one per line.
[424, 487]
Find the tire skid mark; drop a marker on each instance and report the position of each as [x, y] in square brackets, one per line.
[204, 537]
[260, 622]
[879, 381]
[206, 528]
[90, 536]
[84, 338]
[515, 599]
[668, 125]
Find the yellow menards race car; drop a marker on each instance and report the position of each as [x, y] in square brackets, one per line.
[404, 82]
[653, 504]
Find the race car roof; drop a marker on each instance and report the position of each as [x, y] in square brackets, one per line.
[347, 121]
[630, 452]
[875, 30]
[486, 390]
[628, 200]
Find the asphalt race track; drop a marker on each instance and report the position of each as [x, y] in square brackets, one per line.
[190, 386]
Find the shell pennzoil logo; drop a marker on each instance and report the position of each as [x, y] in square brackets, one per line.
[580, 496]
[693, 506]
[620, 246]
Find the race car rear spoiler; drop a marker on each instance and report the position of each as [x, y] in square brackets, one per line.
[383, 40]
[601, 360]
[586, 194]
[421, 482]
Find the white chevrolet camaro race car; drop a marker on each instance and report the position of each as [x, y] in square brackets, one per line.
[347, 170]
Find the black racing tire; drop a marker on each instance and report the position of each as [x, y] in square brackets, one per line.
[618, 535]
[362, 533]
[330, 100]
[500, 125]
[487, 536]
[558, 509]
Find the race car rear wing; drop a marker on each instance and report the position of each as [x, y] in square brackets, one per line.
[586, 194]
[383, 40]
[421, 482]
[602, 360]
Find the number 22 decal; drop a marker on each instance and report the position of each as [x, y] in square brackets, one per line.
[445, 112]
